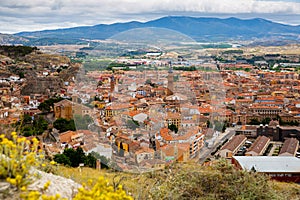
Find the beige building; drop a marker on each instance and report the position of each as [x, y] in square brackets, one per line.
[232, 146]
[258, 147]
[290, 147]
[63, 109]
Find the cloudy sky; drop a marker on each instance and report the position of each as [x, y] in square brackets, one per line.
[30, 15]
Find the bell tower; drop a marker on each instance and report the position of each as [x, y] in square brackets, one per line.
[171, 80]
[112, 84]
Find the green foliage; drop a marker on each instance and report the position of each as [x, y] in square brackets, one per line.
[48, 104]
[73, 158]
[132, 124]
[285, 123]
[27, 119]
[63, 125]
[113, 64]
[16, 51]
[254, 122]
[218, 126]
[173, 127]
[266, 120]
[92, 65]
[44, 107]
[233, 51]
[40, 124]
[223, 46]
[30, 127]
[257, 122]
[221, 181]
[90, 161]
[62, 159]
[82, 122]
[21, 74]
[183, 68]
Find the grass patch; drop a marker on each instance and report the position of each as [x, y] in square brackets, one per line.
[191, 181]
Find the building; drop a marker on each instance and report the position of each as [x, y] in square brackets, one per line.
[281, 168]
[173, 118]
[258, 147]
[232, 146]
[171, 80]
[279, 133]
[116, 109]
[175, 152]
[248, 131]
[63, 109]
[70, 136]
[290, 147]
[144, 153]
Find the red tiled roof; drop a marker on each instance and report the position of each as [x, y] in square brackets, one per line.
[164, 132]
[290, 145]
[234, 143]
[259, 144]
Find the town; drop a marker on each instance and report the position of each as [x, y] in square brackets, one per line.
[147, 111]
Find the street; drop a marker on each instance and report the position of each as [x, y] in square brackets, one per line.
[214, 142]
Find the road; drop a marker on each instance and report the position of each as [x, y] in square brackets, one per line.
[214, 142]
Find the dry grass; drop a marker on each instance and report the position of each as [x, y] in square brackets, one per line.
[134, 184]
[187, 181]
[289, 191]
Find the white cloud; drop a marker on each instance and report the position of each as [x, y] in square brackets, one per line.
[38, 14]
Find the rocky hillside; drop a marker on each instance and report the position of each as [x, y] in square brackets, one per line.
[43, 73]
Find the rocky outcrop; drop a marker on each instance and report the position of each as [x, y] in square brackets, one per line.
[66, 188]
[42, 85]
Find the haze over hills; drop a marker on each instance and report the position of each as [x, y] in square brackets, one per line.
[200, 29]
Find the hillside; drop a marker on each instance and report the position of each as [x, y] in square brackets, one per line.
[30, 63]
[200, 29]
[11, 39]
[191, 181]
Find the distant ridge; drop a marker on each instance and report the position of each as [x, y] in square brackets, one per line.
[201, 29]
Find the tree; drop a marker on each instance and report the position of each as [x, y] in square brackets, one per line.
[266, 120]
[82, 122]
[40, 125]
[173, 127]
[44, 107]
[64, 125]
[219, 126]
[62, 159]
[73, 158]
[90, 161]
[208, 124]
[21, 74]
[71, 155]
[27, 119]
[35, 127]
[48, 104]
[254, 122]
[80, 156]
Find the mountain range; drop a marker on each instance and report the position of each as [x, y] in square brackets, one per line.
[199, 29]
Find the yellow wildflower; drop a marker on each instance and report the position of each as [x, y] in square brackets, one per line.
[47, 184]
[52, 162]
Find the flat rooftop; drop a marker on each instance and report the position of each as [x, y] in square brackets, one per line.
[284, 164]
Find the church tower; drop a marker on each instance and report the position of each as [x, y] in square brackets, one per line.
[171, 80]
[112, 84]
